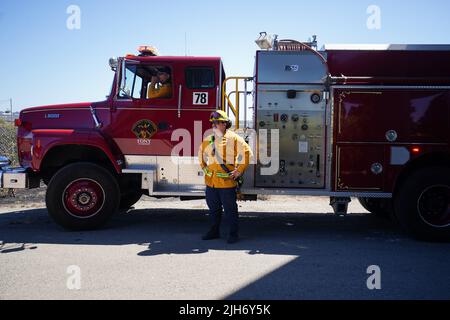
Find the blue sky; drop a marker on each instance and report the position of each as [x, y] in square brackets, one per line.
[43, 62]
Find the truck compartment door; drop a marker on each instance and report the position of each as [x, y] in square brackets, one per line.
[360, 167]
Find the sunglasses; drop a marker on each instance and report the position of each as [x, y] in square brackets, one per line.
[216, 122]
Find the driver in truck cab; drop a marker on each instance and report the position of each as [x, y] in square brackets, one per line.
[160, 85]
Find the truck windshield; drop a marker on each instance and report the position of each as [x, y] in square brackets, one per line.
[131, 83]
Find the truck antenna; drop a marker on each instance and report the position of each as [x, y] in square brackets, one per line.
[185, 44]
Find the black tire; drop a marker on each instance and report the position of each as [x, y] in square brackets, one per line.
[127, 200]
[422, 204]
[382, 208]
[66, 200]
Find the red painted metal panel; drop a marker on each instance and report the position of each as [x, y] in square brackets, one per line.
[166, 122]
[420, 116]
[362, 118]
[353, 167]
[44, 140]
[401, 64]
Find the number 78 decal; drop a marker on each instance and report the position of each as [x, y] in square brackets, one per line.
[200, 98]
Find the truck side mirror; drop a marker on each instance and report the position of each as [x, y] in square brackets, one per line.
[113, 63]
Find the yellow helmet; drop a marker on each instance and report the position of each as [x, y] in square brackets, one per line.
[218, 115]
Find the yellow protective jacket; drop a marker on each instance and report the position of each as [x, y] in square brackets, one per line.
[232, 150]
[161, 91]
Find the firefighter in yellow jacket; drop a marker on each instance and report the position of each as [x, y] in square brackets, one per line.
[223, 156]
[160, 85]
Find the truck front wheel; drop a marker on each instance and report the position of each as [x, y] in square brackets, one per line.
[422, 204]
[82, 196]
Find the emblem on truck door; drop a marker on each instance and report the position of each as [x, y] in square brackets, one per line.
[144, 130]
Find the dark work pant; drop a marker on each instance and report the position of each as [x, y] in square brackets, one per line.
[223, 198]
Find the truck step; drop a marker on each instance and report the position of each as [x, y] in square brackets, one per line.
[340, 205]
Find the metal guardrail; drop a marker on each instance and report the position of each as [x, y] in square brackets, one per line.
[228, 105]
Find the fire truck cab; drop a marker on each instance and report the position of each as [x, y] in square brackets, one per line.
[371, 122]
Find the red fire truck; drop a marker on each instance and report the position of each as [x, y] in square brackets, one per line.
[370, 122]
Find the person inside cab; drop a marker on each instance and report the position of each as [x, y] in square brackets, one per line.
[160, 85]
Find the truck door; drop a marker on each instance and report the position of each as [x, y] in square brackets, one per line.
[145, 111]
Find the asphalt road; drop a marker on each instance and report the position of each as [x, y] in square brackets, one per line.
[155, 252]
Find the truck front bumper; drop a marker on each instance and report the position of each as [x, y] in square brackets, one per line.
[16, 178]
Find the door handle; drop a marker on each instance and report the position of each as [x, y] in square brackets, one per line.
[217, 98]
[179, 100]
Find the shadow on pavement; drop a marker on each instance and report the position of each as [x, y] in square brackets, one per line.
[330, 254]
[183, 229]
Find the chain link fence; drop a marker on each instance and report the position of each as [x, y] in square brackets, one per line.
[8, 131]
[8, 148]
[8, 145]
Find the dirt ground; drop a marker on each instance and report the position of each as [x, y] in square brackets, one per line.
[35, 198]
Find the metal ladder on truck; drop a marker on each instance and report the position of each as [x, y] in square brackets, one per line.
[234, 108]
